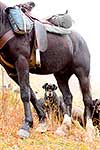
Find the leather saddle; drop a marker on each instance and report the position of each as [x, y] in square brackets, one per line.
[22, 23]
[26, 25]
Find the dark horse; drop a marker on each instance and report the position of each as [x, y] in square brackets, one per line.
[65, 55]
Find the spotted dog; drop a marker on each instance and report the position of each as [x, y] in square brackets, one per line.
[53, 104]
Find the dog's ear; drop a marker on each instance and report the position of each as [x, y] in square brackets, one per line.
[44, 86]
[54, 87]
[95, 101]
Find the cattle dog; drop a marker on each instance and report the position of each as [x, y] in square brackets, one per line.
[53, 104]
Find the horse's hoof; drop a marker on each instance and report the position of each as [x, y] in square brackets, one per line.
[90, 131]
[42, 127]
[66, 122]
[23, 133]
[60, 132]
[89, 136]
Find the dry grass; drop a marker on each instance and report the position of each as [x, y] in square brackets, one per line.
[11, 115]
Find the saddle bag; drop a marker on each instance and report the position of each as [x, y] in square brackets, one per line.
[61, 20]
[20, 23]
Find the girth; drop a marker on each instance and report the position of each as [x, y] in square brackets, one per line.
[5, 62]
[5, 38]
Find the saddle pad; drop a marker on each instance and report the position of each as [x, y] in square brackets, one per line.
[19, 21]
[56, 30]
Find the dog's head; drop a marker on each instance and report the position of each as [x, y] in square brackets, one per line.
[96, 105]
[49, 89]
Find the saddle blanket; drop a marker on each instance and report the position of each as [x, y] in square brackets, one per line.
[20, 23]
[56, 30]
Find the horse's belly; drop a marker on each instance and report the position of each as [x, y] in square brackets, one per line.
[52, 66]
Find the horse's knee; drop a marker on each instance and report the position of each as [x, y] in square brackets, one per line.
[25, 95]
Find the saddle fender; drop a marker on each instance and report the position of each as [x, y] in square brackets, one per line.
[41, 36]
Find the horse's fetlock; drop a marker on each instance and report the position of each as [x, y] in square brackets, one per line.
[30, 123]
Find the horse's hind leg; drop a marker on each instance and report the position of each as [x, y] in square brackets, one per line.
[62, 80]
[87, 99]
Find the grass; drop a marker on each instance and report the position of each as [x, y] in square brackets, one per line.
[11, 116]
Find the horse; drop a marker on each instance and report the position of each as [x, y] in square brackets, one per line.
[65, 55]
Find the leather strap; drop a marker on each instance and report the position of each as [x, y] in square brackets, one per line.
[5, 38]
[41, 36]
[5, 62]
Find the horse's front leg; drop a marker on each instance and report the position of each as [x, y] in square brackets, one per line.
[23, 79]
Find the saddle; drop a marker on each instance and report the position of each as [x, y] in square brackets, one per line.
[61, 20]
[22, 23]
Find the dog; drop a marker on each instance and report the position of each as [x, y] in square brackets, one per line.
[96, 113]
[53, 105]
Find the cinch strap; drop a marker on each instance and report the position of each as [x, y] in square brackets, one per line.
[5, 38]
